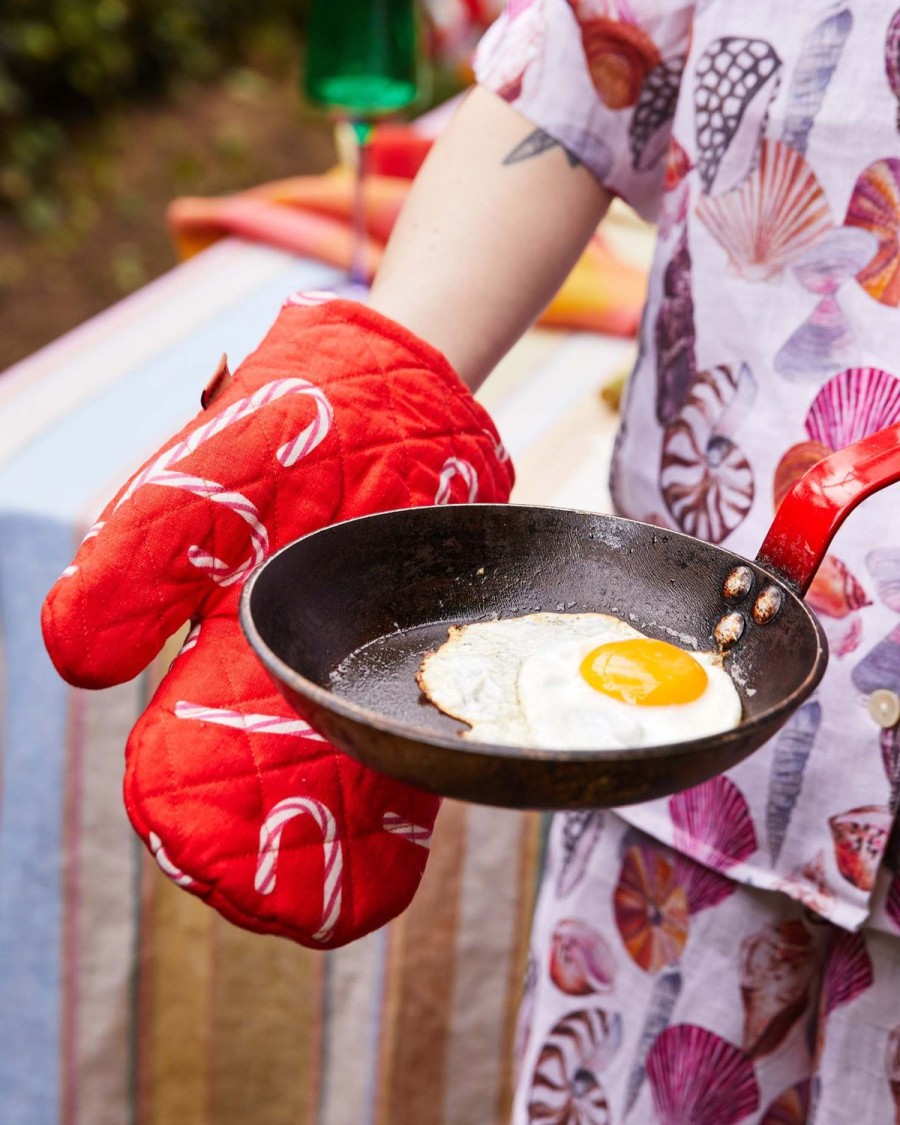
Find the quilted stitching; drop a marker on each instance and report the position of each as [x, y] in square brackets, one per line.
[204, 790]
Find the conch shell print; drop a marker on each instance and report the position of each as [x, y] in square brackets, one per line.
[698, 1078]
[777, 968]
[818, 59]
[705, 478]
[619, 56]
[651, 908]
[860, 836]
[790, 751]
[772, 218]
[790, 1107]
[655, 108]
[892, 58]
[875, 207]
[676, 366]
[581, 961]
[734, 82]
[565, 1087]
[666, 990]
[892, 1068]
[577, 838]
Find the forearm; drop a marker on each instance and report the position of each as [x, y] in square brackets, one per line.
[497, 217]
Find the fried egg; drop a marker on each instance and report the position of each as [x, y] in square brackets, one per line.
[582, 681]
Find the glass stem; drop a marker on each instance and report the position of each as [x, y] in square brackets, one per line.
[359, 274]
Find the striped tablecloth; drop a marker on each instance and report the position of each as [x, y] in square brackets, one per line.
[124, 1001]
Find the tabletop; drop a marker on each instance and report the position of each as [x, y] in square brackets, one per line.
[122, 999]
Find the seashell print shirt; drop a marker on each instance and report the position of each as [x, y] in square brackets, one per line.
[763, 140]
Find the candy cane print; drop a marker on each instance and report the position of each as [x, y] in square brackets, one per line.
[307, 298]
[416, 833]
[235, 502]
[499, 448]
[159, 471]
[455, 466]
[92, 533]
[270, 845]
[167, 866]
[253, 724]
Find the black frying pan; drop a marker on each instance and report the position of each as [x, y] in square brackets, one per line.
[343, 617]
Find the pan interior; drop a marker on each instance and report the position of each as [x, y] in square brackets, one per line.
[355, 608]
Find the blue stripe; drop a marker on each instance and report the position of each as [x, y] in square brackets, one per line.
[32, 552]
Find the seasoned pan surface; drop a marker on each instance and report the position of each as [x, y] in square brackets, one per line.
[343, 618]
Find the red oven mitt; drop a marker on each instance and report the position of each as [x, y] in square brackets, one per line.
[340, 412]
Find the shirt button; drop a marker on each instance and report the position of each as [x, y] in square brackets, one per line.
[884, 707]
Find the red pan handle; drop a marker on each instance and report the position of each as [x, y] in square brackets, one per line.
[821, 500]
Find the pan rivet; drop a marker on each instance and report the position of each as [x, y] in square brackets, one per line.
[767, 605]
[738, 584]
[728, 632]
[884, 707]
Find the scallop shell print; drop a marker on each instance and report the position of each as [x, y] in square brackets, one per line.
[790, 1107]
[875, 207]
[581, 961]
[578, 833]
[892, 58]
[790, 752]
[853, 404]
[655, 108]
[712, 824]
[651, 908]
[698, 1078]
[666, 990]
[818, 59]
[860, 836]
[565, 1088]
[676, 365]
[705, 478]
[734, 82]
[619, 57]
[823, 343]
[777, 968]
[772, 218]
[848, 970]
[704, 887]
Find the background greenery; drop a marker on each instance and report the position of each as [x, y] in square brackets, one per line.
[66, 61]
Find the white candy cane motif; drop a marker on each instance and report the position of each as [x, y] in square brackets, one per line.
[92, 533]
[190, 641]
[306, 298]
[253, 723]
[499, 448]
[167, 866]
[270, 844]
[455, 466]
[416, 833]
[160, 472]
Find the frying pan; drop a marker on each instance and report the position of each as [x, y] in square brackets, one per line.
[342, 618]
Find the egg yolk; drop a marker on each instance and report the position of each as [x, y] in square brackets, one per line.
[645, 672]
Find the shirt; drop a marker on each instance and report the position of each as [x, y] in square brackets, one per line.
[763, 140]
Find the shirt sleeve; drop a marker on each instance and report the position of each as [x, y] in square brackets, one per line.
[604, 86]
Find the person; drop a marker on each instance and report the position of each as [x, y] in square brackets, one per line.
[728, 954]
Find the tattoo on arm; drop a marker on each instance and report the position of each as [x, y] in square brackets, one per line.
[536, 143]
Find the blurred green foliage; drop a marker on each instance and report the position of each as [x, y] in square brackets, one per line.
[63, 61]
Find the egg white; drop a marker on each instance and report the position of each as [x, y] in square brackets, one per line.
[517, 682]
